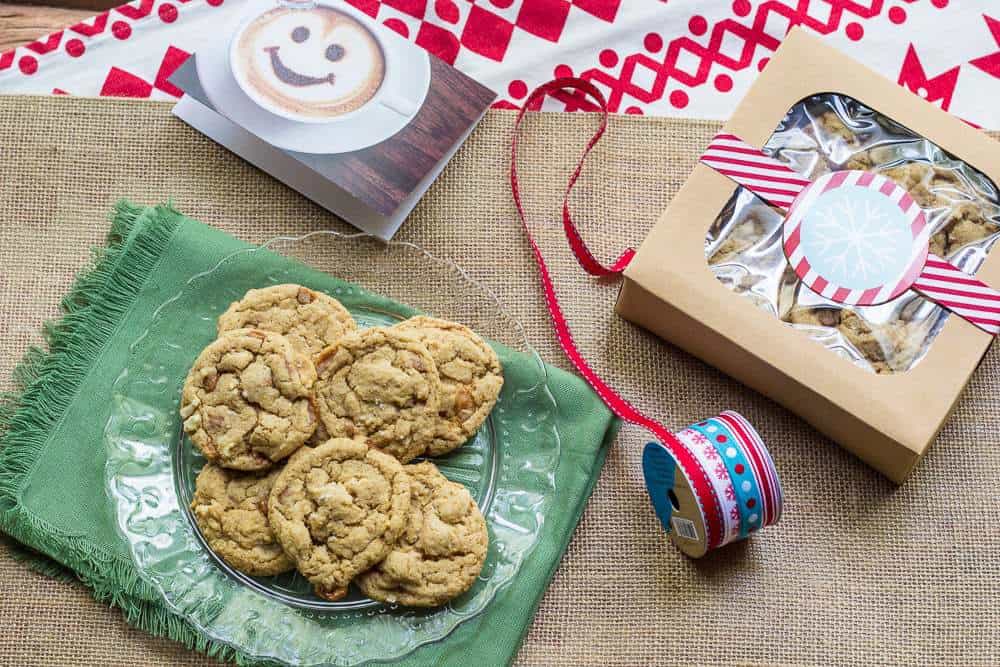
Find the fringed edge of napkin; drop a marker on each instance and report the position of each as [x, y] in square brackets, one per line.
[46, 382]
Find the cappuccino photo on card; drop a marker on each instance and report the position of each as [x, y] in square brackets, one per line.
[335, 105]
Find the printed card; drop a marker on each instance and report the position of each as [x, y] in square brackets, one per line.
[333, 104]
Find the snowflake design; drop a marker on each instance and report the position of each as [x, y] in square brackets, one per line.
[710, 453]
[856, 239]
[720, 471]
[734, 514]
[730, 493]
[697, 438]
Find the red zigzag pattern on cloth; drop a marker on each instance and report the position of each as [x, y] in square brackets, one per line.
[93, 27]
[134, 11]
[938, 88]
[96, 25]
[50, 43]
[752, 34]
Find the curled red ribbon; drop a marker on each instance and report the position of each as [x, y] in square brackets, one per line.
[695, 474]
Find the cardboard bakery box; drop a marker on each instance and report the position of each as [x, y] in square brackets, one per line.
[713, 278]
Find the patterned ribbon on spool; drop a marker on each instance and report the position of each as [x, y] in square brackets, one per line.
[743, 479]
[696, 477]
[901, 261]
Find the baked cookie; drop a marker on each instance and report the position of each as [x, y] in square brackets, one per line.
[247, 400]
[966, 224]
[442, 550]
[380, 385]
[742, 236]
[820, 316]
[471, 378]
[230, 509]
[931, 187]
[888, 347]
[832, 125]
[338, 510]
[310, 320]
[319, 436]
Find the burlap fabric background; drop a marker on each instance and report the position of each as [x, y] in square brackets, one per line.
[858, 572]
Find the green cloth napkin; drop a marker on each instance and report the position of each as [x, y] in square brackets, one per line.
[52, 459]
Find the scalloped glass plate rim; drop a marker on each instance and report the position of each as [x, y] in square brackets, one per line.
[117, 462]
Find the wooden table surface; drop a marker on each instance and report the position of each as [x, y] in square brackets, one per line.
[20, 24]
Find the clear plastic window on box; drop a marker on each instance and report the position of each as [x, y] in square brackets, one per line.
[830, 132]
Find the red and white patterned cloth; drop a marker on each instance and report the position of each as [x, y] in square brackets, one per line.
[658, 57]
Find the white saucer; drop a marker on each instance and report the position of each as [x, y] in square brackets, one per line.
[373, 123]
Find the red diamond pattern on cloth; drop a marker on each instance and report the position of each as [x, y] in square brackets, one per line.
[543, 18]
[489, 27]
[415, 8]
[369, 7]
[447, 11]
[172, 59]
[486, 33]
[438, 41]
[606, 10]
[120, 83]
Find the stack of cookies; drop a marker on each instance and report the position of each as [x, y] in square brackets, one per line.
[308, 424]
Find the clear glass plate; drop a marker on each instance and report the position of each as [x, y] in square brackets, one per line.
[509, 466]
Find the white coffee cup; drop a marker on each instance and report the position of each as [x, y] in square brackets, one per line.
[385, 96]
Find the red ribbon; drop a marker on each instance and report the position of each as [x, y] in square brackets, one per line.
[695, 474]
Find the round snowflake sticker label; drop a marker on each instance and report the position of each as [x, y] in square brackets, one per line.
[856, 238]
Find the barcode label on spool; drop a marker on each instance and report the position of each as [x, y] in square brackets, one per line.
[684, 528]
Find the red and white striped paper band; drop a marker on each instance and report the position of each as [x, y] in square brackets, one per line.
[818, 283]
[961, 293]
[767, 178]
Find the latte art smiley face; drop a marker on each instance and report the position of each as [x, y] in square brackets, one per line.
[316, 62]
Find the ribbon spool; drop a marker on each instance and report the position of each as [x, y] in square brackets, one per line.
[744, 491]
[676, 466]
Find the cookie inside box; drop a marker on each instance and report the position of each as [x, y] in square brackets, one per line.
[829, 132]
